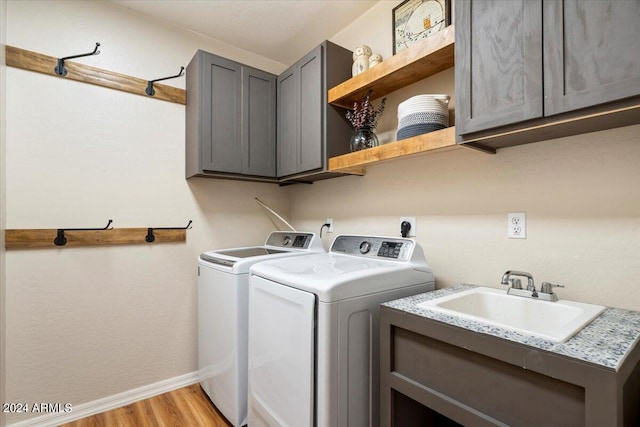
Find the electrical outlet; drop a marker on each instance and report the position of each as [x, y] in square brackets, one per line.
[517, 225]
[330, 227]
[412, 221]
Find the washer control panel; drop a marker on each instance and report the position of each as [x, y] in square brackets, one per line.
[285, 239]
[374, 247]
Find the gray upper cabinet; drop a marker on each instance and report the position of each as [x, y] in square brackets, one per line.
[498, 63]
[524, 63]
[259, 122]
[230, 124]
[288, 121]
[311, 98]
[594, 57]
[309, 129]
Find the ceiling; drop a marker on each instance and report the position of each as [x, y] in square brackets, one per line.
[281, 30]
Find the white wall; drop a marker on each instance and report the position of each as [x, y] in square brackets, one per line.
[87, 323]
[581, 195]
[3, 127]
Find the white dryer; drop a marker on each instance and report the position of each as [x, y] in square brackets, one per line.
[313, 330]
[223, 299]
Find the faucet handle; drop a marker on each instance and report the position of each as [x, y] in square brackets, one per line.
[547, 287]
[516, 283]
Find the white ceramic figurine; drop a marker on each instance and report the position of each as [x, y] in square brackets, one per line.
[360, 59]
[375, 59]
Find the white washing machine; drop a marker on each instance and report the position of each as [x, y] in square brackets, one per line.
[223, 298]
[313, 330]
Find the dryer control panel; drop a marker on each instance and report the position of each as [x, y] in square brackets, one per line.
[374, 247]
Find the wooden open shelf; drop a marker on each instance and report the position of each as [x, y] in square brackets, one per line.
[430, 56]
[440, 140]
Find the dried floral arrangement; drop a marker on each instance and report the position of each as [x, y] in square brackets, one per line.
[364, 114]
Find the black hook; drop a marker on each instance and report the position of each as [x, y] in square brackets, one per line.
[150, 91]
[60, 240]
[151, 238]
[61, 71]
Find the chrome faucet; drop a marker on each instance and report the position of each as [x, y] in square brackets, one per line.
[515, 288]
[506, 279]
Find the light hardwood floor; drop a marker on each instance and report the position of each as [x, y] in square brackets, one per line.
[188, 407]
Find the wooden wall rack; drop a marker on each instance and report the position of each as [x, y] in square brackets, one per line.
[44, 238]
[32, 61]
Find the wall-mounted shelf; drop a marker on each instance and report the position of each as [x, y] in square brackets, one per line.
[440, 140]
[430, 56]
[44, 238]
[32, 61]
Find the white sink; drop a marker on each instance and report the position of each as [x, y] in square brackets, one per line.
[556, 321]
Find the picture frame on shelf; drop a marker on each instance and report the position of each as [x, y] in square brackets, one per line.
[415, 20]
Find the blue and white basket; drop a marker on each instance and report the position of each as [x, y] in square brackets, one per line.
[421, 114]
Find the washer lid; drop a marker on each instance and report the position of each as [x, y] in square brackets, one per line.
[248, 252]
[278, 244]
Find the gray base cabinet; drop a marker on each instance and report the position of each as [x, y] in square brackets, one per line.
[230, 119]
[309, 129]
[522, 63]
[434, 374]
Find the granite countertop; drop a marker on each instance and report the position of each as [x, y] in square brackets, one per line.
[605, 341]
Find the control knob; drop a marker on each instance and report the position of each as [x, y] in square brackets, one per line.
[365, 247]
[286, 240]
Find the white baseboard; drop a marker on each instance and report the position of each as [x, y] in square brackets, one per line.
[111, 402]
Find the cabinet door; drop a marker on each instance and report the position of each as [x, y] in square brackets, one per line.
[221, 149]
[311, 129]
[591, 53]
[288, 117]
[498, 63]
[258, 122]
